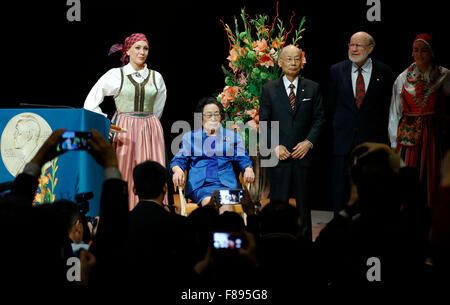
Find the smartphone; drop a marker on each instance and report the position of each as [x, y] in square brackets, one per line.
[230, 196]
[227, 240]
[73, 140]
[77, 247]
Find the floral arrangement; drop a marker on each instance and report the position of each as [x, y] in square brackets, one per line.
[47, 183]
[253, 61]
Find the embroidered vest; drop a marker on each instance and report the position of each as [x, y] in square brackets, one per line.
[414, 110]
[135, 97]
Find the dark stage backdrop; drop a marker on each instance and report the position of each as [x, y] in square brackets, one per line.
[50, 60]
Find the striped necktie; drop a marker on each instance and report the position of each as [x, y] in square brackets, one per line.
[292, 96]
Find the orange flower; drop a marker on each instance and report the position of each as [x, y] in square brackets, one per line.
[233, 55]
[262, 29]
[230, 64]
[251, 113]
[45, 180]
[38, 197]
[241, 50]
[260, 46]
[277, 44]
[228, 95]
[266, 60]
[303, 60]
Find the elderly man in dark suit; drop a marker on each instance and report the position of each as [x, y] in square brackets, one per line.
[296, 103]
[359, 96]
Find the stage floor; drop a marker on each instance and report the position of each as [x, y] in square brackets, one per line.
[319, 218]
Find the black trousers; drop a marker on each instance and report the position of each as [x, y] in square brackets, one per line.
[297, 179]
[342, 182]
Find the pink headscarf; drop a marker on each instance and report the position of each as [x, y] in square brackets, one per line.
[129, 41]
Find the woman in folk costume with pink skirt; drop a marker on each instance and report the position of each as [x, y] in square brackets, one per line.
[139, 94]
[416, 113]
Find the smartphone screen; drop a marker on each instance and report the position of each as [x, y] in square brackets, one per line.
[225, 240]
[230, 196]
[73, 140]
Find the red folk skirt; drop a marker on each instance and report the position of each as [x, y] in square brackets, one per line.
[144, 140]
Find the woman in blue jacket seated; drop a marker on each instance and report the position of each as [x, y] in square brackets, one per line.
[210, 152]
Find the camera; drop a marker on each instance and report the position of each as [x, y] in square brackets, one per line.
[73, 140]
[228, 240]
[82, 203]
[230, 196]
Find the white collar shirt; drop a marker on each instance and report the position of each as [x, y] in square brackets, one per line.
[287, 83]
[366, 71]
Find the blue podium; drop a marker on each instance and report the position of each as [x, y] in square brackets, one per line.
[72, 173]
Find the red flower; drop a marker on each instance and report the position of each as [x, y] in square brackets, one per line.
[228, 95]
[266, 60]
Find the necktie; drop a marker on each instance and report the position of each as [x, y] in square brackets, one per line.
[292, 96]
[360, 88]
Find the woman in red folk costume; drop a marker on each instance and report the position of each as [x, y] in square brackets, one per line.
[415, 118]
[139, 94]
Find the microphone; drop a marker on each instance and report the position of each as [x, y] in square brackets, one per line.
[44, 106]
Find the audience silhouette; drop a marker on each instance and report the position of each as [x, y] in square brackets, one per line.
[154, 250]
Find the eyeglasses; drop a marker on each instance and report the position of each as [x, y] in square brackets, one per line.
[210, 115]
[358, 46]
[289, 59]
